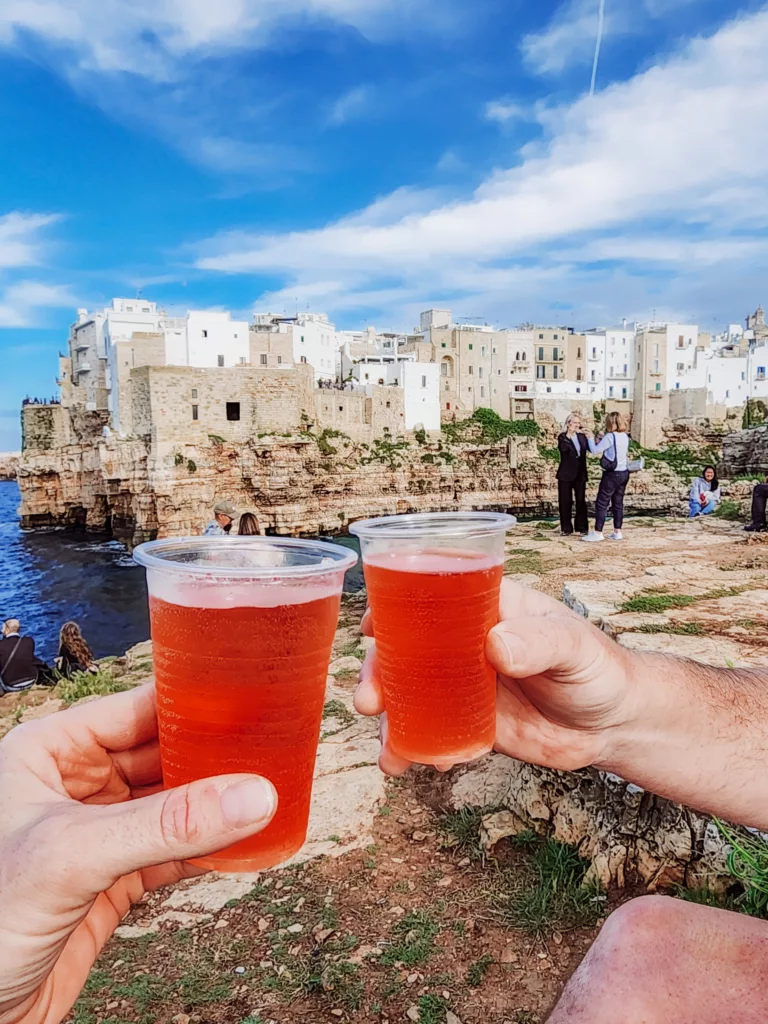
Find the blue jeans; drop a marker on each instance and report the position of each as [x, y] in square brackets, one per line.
[696, 508]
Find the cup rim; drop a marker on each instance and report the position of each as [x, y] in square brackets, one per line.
[155, 555]
[434, 524]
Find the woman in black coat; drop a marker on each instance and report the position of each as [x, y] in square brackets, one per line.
[572, 476]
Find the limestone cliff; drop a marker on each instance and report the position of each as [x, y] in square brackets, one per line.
[746, 451]
[298, 484]
[9, 464]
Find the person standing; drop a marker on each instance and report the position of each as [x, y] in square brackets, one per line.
[613, 448]
[572, 476]
[20, 667]
[705, 493]
[248, 525]
[759, 500]
[224, 515]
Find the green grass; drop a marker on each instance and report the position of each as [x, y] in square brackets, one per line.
[685, 462]
[478, 970]
[673, 628]
[520, 560]
[545, 524]
[87, 684]
[342, 980]
[550, 454]
[413, 939]
[748, 864]
[487, 427]
[338, 709]
[729, 510]
[655, 601]
[461, 831]
[549, 892]
[432, 1009]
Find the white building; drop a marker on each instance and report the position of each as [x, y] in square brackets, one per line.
[731, 378]
[611, 363]
[421, 384]
[314, 340]
[371, 358]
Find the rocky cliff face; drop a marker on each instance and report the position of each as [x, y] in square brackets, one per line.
[746, 451]
[296, 485]
[9, 464]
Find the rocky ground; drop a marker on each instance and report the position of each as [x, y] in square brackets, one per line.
[403, 906]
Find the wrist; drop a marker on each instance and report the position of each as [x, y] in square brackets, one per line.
[639, 712]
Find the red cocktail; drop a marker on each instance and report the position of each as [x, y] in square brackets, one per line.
[242, 637]
[433, 587]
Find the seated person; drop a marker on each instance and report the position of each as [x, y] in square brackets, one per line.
[20, 668]
[759, 499]
[74, 653]
[705, 493]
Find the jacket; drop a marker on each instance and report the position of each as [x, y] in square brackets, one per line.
[572, 466]
[25, 666]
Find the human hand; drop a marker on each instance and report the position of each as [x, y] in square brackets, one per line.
[85, 831]
[564, 688]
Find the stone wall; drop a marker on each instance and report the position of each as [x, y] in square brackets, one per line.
[9, 464]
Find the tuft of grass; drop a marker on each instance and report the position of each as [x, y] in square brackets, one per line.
[478, 970]
[550, 892]
[547, 524]
[550, 454]
[748, 863]
[674, 628]
[338, 709]
[88, 684]
[523, 560]
[432, 1009]
[729, 510]
[413, 939]
[461, 830]
[343, 981]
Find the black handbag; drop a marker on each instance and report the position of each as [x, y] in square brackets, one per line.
[609, 465]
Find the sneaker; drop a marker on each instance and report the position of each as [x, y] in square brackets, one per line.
[753, 528]
[592, 537]
[616, 535]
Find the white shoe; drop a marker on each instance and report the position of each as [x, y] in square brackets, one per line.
[616, 535]
[592, 537]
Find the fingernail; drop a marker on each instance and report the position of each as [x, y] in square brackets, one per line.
[248, 801]
[504, 644]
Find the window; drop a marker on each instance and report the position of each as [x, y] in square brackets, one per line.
[194, 412]
[554, 337]
[145, 309]
[594, 353]
[220, 360]
[521, 387]
[658, 387]
[517, 357]
[482, 350]
[447, 387]
[680, 341]
[549, 390]
[680, 367]
[655, 365]
[623, 392]
[761, 373]
[194, 392]
[554, 352]
[444, 369]
[482, 392]
[263, 359]
[388, 404]
[279, 360]
[578, 373]
[302, 339]
[677, 385]
[205, 334]
[611, 374]
[592, 375]
[742, 376]
[442, 345]
[578, 391]
[727, 394]
[499, 372]
[233, 411]
[540, 372]
[625, 369]
[448, 406]
[235, 335]
[554, 372]
[541, 354]
[523, 356]
[480, 372]
[241, 360]
[470, 348]
[610, 391]
[423, 382]
[303, 359]
[656, 349]
[578, 353]
[471, 370]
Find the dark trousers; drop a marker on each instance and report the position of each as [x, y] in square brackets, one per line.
[611, 493]
[759, 499]
[567, 490]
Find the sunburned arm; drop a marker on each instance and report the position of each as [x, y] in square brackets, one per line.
[698, 735]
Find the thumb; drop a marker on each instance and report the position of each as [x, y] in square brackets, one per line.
[564, 644]
[195, 820]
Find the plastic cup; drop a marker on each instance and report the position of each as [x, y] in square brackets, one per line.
[242, 629]
[433, 585]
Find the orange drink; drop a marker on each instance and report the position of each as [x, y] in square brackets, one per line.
[433, 587]
[242, 631]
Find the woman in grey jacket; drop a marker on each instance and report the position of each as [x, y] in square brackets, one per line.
[705, 493]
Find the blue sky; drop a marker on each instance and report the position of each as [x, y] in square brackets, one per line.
[370, 158]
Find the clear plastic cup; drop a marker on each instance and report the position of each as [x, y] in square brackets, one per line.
[242, 629]
[433, 585]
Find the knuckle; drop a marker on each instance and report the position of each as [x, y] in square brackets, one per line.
[178, 821]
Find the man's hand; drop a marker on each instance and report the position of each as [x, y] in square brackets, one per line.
[564, 688]
[85, 831]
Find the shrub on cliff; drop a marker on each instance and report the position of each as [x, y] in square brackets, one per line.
[486, 426]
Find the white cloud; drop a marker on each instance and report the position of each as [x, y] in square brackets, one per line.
[21, 244]
[504, 111]
[150, 37]
[675, 147]
[350, 106]
[21, 303]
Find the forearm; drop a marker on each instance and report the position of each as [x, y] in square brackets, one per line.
[697, 735]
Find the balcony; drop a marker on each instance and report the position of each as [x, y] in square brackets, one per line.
[655, 394]
[81, 346]
[83, 368]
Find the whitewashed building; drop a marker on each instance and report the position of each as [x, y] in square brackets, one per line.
[421, 384]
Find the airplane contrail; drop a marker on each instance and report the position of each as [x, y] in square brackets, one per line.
[600, 22]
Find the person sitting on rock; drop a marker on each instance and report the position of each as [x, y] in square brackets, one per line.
[20, 667]
[74, 653]
[759, 500]
[705, 493]
[224, 515]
